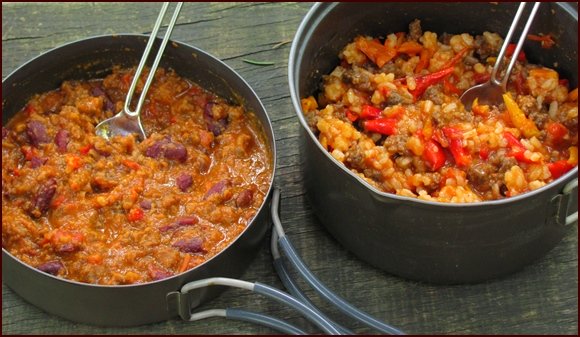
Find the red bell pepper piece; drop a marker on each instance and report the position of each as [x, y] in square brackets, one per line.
[135, 214]
[351, 115]
[511, 49]
[85, 149]
[559, 167]
[370, 112]
[484, 153]
[459, 152]
[556, 131]
[384, 126]
[481, 78]
[433, 155]
[517, 149]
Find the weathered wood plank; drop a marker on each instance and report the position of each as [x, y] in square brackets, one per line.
[541, 299]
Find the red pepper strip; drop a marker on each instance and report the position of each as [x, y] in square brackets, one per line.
[433, 155]
[546, 40]
[424, 82]
[517, 148]
[460, 153]
[410, 48]
[450, 88]
[424, 59]
[456, 58]
[384, 126]
[510, 51]
[370, 112]
[559, 167]
[556, 131]
[130, 164]
[375, 51]
[351, 115]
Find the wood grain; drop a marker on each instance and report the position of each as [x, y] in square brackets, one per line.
[541, 299]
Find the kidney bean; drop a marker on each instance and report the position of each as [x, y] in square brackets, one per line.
[187, 220]
[184, 181]
[213, 125]
[107, 103]
[36, 132]
[181, 222]
[175, 151]
[159, 274]
[61, 140]
[67, 248]
[51, 267]
[219, 187]
[4, 132]
[36, 162]
[168, 149]
[192, 245]
[97, 91]
[44, 195]
[244, 198]
[145, 204]
[156, 149]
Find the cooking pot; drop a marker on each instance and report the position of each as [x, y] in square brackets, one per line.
[127, 305]
[422, 240]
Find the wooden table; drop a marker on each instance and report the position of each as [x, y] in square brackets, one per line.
[542, 298]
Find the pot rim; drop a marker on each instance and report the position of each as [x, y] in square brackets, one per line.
[266, 128]
[310, 20]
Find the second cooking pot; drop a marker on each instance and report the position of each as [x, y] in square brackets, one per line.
[422, 240]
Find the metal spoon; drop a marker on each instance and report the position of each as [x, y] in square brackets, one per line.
[490, 92]
[128, 122]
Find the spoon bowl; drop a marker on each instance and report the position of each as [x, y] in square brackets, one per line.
[490, 92]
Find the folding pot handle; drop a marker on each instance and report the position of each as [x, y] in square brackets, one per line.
[572, 185]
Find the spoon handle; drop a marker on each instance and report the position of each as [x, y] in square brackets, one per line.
[495, 71]
[145, 56]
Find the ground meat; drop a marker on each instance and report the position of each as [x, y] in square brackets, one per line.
[482, 48]
[415, 31]
[359, 78]
[501, 161]
[434, 94]
[479, 176]
[397, 144]
[529, 106]
[445, 38]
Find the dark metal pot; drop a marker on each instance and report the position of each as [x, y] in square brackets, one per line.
[421, 240]
[128, 305]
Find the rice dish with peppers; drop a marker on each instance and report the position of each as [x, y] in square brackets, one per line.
[390, 111]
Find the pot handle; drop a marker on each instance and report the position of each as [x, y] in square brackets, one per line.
[572, 185]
